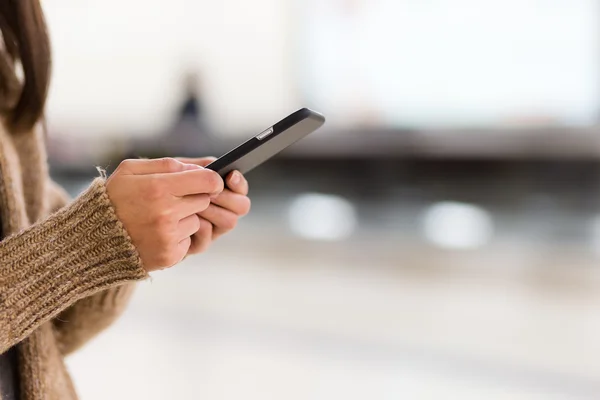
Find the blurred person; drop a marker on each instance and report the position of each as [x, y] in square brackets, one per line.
[190, 130]
[68, 270]
[192, 107]
[188, 134]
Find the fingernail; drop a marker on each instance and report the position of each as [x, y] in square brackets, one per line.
[235, 178]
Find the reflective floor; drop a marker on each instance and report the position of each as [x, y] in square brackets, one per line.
[320, 296]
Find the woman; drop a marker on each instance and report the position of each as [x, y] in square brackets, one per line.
[67, 270]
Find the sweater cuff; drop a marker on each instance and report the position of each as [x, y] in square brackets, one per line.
[78, 251]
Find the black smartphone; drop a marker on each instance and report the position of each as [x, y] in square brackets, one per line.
[268, 143]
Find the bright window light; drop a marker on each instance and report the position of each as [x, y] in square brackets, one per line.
[322, 217]
[457, 225]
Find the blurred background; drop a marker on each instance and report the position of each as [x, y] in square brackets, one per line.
[439, 238]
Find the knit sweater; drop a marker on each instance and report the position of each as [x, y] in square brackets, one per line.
[66, 270]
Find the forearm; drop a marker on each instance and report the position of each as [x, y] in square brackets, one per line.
[81, 250]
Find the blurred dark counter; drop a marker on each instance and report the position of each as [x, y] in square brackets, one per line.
[549, 144]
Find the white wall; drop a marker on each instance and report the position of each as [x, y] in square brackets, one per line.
[454, 63]
[118, 63]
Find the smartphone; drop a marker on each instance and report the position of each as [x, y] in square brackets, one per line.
[268, 143]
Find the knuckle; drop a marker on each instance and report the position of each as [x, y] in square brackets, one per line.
[186, 245]
[201, 203]
[230, 223]
[204, 228]
[204, 202]
[197, 223]
[163, 219]
[124, 166]
[170, 164]
[247, 205]
[125, 163]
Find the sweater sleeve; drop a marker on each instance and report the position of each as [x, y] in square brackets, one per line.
[88, 317]
[81, 250]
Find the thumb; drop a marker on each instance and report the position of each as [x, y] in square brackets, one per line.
[203, 162]
[156, 166]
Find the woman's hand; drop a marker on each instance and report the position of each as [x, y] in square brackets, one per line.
[222, 215]
[159, 203]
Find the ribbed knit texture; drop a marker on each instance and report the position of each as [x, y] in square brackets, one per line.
[76, 252]
[65, 275]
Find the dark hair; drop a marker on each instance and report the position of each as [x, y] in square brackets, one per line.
[27, 45]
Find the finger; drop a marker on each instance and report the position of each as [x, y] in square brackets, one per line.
[202, 239]
[198, 181]
[222, 220]
[237, 183]
[203, 162]
[190, 205]
[156, 166]
[234, 202]
[183, 248]
[188, 227]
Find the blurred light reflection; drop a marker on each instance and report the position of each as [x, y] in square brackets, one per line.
[458, 226]
[322, 217]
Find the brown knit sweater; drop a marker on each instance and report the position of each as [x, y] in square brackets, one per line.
[64, 268]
